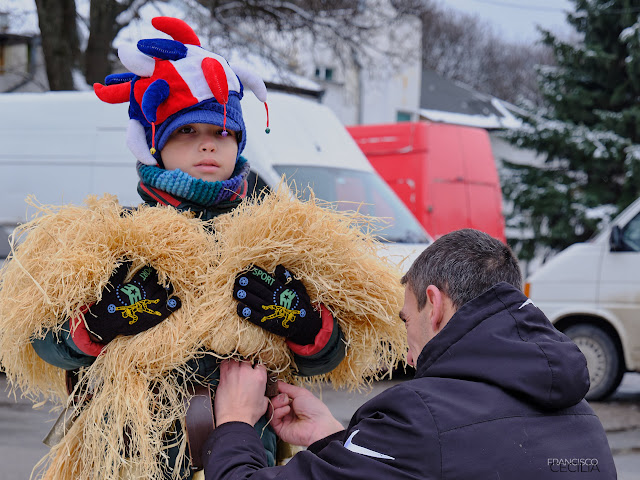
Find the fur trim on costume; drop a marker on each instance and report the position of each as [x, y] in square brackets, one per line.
[62, 259]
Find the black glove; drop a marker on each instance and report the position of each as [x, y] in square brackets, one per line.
[278, 304]
[130, 308]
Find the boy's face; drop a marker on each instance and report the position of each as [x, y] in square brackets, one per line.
[200, 150]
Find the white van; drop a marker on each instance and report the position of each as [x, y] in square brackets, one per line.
[63, 146]
[591, 292]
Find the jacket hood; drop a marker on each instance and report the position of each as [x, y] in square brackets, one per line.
[502, 338]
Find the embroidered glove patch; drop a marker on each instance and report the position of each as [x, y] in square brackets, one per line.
[278, 303]
[132, 307]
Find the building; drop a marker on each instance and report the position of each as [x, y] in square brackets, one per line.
[21, 61]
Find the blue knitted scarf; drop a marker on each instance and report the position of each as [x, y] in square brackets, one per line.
[183, 185]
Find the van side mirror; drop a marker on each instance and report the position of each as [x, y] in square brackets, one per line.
[616, 244]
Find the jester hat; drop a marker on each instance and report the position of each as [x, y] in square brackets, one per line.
[174, 83]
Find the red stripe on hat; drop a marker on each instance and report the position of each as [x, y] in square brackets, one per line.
[216, 78]
[177, 29]
[118, 93]
[180, 95]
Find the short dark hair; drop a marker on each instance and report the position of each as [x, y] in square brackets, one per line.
[462, 264]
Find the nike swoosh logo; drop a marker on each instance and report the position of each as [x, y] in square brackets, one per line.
[528, 302]
[349, 445]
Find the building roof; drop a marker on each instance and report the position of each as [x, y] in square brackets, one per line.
[15, 39]
[443, 100]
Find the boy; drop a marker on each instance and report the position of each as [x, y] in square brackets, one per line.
[187, 132]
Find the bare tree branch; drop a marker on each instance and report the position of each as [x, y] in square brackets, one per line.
[460, 47]
[277, 28]
[372, 35]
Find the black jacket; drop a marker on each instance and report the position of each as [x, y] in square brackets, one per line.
[498, 394]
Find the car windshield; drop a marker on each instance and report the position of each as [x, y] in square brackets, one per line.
[362, 191]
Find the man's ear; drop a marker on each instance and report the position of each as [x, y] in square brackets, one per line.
[436, 315]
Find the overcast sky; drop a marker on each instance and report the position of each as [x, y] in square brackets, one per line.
[517, 19]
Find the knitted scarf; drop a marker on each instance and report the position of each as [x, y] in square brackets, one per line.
[178, 183]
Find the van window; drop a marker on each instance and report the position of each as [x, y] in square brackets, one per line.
[358, 190]
[631, 234]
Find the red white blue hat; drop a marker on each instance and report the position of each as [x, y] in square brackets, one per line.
[174, 83]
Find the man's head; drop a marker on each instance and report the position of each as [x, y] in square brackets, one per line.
[462, 264]
[450, 272]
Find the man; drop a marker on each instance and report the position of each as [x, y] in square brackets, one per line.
[498, 391]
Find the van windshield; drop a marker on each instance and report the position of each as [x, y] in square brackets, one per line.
[362, 191]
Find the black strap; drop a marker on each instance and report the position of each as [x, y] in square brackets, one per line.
[199, 422]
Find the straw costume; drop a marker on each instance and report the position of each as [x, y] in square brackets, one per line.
[208, 277]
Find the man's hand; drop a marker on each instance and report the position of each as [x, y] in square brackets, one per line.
[299, 417]
[240, 393]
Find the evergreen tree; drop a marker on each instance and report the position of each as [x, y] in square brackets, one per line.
[588, 133]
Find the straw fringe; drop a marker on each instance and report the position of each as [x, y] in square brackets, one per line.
[62, 259]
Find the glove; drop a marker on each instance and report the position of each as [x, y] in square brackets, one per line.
[279, 304]
[130, 308]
